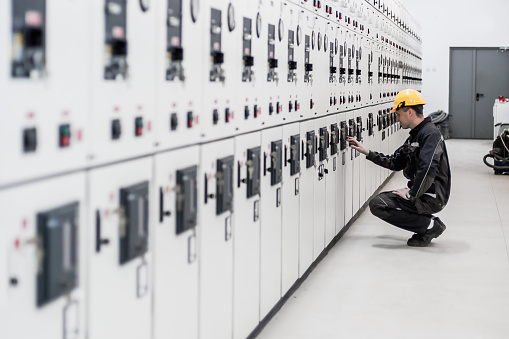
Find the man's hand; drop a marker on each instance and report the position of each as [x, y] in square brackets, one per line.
[357, 146]
[401, 192]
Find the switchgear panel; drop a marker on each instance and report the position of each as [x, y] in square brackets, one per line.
[115, 44]
[247, 58]
[253, 171]
[276, 162]
[133, 228]
[175, 52]
[224, 185]
[324, 144]
[216, 54]
[334, 139]
[310, 149]
[294, 154]
[57, 271]
[186, 199]
[28, 38]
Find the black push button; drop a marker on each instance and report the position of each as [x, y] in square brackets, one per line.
[116, 129]
[174, 121]
[29, 140]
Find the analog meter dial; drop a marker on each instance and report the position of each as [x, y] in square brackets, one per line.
[281, 29]
[231, 17]
[258, 25]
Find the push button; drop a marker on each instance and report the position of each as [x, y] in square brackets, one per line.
[190, 119]
[174, 121]
[227, 115]
[29, 140]
[138, 126]
[65, 135]
[116, 129]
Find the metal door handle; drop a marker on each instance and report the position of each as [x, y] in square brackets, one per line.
[478, 95]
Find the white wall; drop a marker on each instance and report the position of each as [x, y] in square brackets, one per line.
[454, 23]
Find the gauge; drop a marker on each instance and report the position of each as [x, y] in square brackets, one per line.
[231, 17]
[281, 29]
[319, 40]
[313, 40]
[325, 42]
[299, 35]
[336, 46]
[258, 25]
[144, 4]
[195, 9]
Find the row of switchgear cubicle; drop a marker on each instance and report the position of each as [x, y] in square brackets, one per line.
[171, 168]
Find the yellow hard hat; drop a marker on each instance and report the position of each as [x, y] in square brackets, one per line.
[408, 97]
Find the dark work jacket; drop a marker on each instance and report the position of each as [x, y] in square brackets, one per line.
[424, 161]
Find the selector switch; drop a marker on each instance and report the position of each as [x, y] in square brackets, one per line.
[271, 108]
[64, 135]
[29, 140]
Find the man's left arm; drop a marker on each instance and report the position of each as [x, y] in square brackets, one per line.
[427, 167]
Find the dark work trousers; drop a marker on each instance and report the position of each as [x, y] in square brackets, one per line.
[402, 213]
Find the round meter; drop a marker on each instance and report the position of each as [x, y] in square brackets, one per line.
[336, 46]
[325, 42]
[281, 29]
[313, 40]
[299, 35]
[344, 49]
[144, 4]
[195, 9]
[258, 25]
[360, 53]
[319, 40]
[231, 17]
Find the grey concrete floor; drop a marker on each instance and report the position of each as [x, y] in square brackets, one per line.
[372, 285]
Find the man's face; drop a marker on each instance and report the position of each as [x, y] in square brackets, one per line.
[403, 117]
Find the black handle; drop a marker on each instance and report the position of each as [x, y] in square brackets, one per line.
[98, 239]
[478, 95]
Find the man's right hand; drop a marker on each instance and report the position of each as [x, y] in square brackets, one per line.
[357, 146]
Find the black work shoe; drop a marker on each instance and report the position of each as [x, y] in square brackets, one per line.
[423, 240]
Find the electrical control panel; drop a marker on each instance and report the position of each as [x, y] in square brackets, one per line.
[120, 250]
[44, 246]
[211, 135]
[175, 243]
